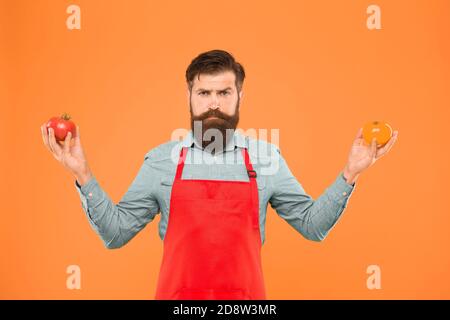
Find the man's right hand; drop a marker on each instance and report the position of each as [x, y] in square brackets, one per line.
[69, 153]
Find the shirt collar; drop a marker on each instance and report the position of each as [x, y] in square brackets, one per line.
[239, 140]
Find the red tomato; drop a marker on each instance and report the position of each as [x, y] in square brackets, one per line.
[61, 126]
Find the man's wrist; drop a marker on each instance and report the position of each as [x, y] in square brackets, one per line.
[83, 178]
[349, 176]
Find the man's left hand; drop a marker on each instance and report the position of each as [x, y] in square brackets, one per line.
[362, 155]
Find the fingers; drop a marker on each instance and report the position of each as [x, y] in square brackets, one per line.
[373, 148]
[385, 149]
[66, 148]
[77, 136]
[359, 134]
[45, 137]
[358, 138]
[57, 151]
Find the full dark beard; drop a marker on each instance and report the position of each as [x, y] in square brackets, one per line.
[222, 126]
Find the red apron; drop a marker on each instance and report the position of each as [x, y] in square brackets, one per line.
[212, 246]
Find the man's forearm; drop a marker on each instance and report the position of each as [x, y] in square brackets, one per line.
[116, 224]
[104, 216]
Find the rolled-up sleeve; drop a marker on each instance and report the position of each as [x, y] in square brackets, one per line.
[117, 224]
[311, 218]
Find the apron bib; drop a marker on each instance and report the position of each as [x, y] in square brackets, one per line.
[212, 246]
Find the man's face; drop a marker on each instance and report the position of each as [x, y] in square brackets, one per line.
[214, 101]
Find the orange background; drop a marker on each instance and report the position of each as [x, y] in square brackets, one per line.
[314, 71]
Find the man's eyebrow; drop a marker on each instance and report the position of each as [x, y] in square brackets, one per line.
[201, 89]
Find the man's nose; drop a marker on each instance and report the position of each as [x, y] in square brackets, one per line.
[214, 101]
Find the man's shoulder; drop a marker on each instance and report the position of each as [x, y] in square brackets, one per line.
[163, 151]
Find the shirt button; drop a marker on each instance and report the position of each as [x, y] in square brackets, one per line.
[344, 193]
[90, 194]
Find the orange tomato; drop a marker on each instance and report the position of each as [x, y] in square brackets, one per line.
[379, 130]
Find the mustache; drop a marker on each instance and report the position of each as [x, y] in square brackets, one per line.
[212, 113]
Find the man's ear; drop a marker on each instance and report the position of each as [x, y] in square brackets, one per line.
[188, 96]
[241, 95]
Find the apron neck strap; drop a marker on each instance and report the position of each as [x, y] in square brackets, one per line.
[181, 160]
[251, 173]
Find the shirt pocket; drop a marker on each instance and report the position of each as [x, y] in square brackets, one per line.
[165, 191]
[166, 182]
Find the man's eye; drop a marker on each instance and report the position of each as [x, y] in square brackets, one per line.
[225, 93]
[203, 93]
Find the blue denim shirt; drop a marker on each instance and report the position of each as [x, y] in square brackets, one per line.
[149, 193]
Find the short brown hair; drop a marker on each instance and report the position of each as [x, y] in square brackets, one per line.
[213, 62]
